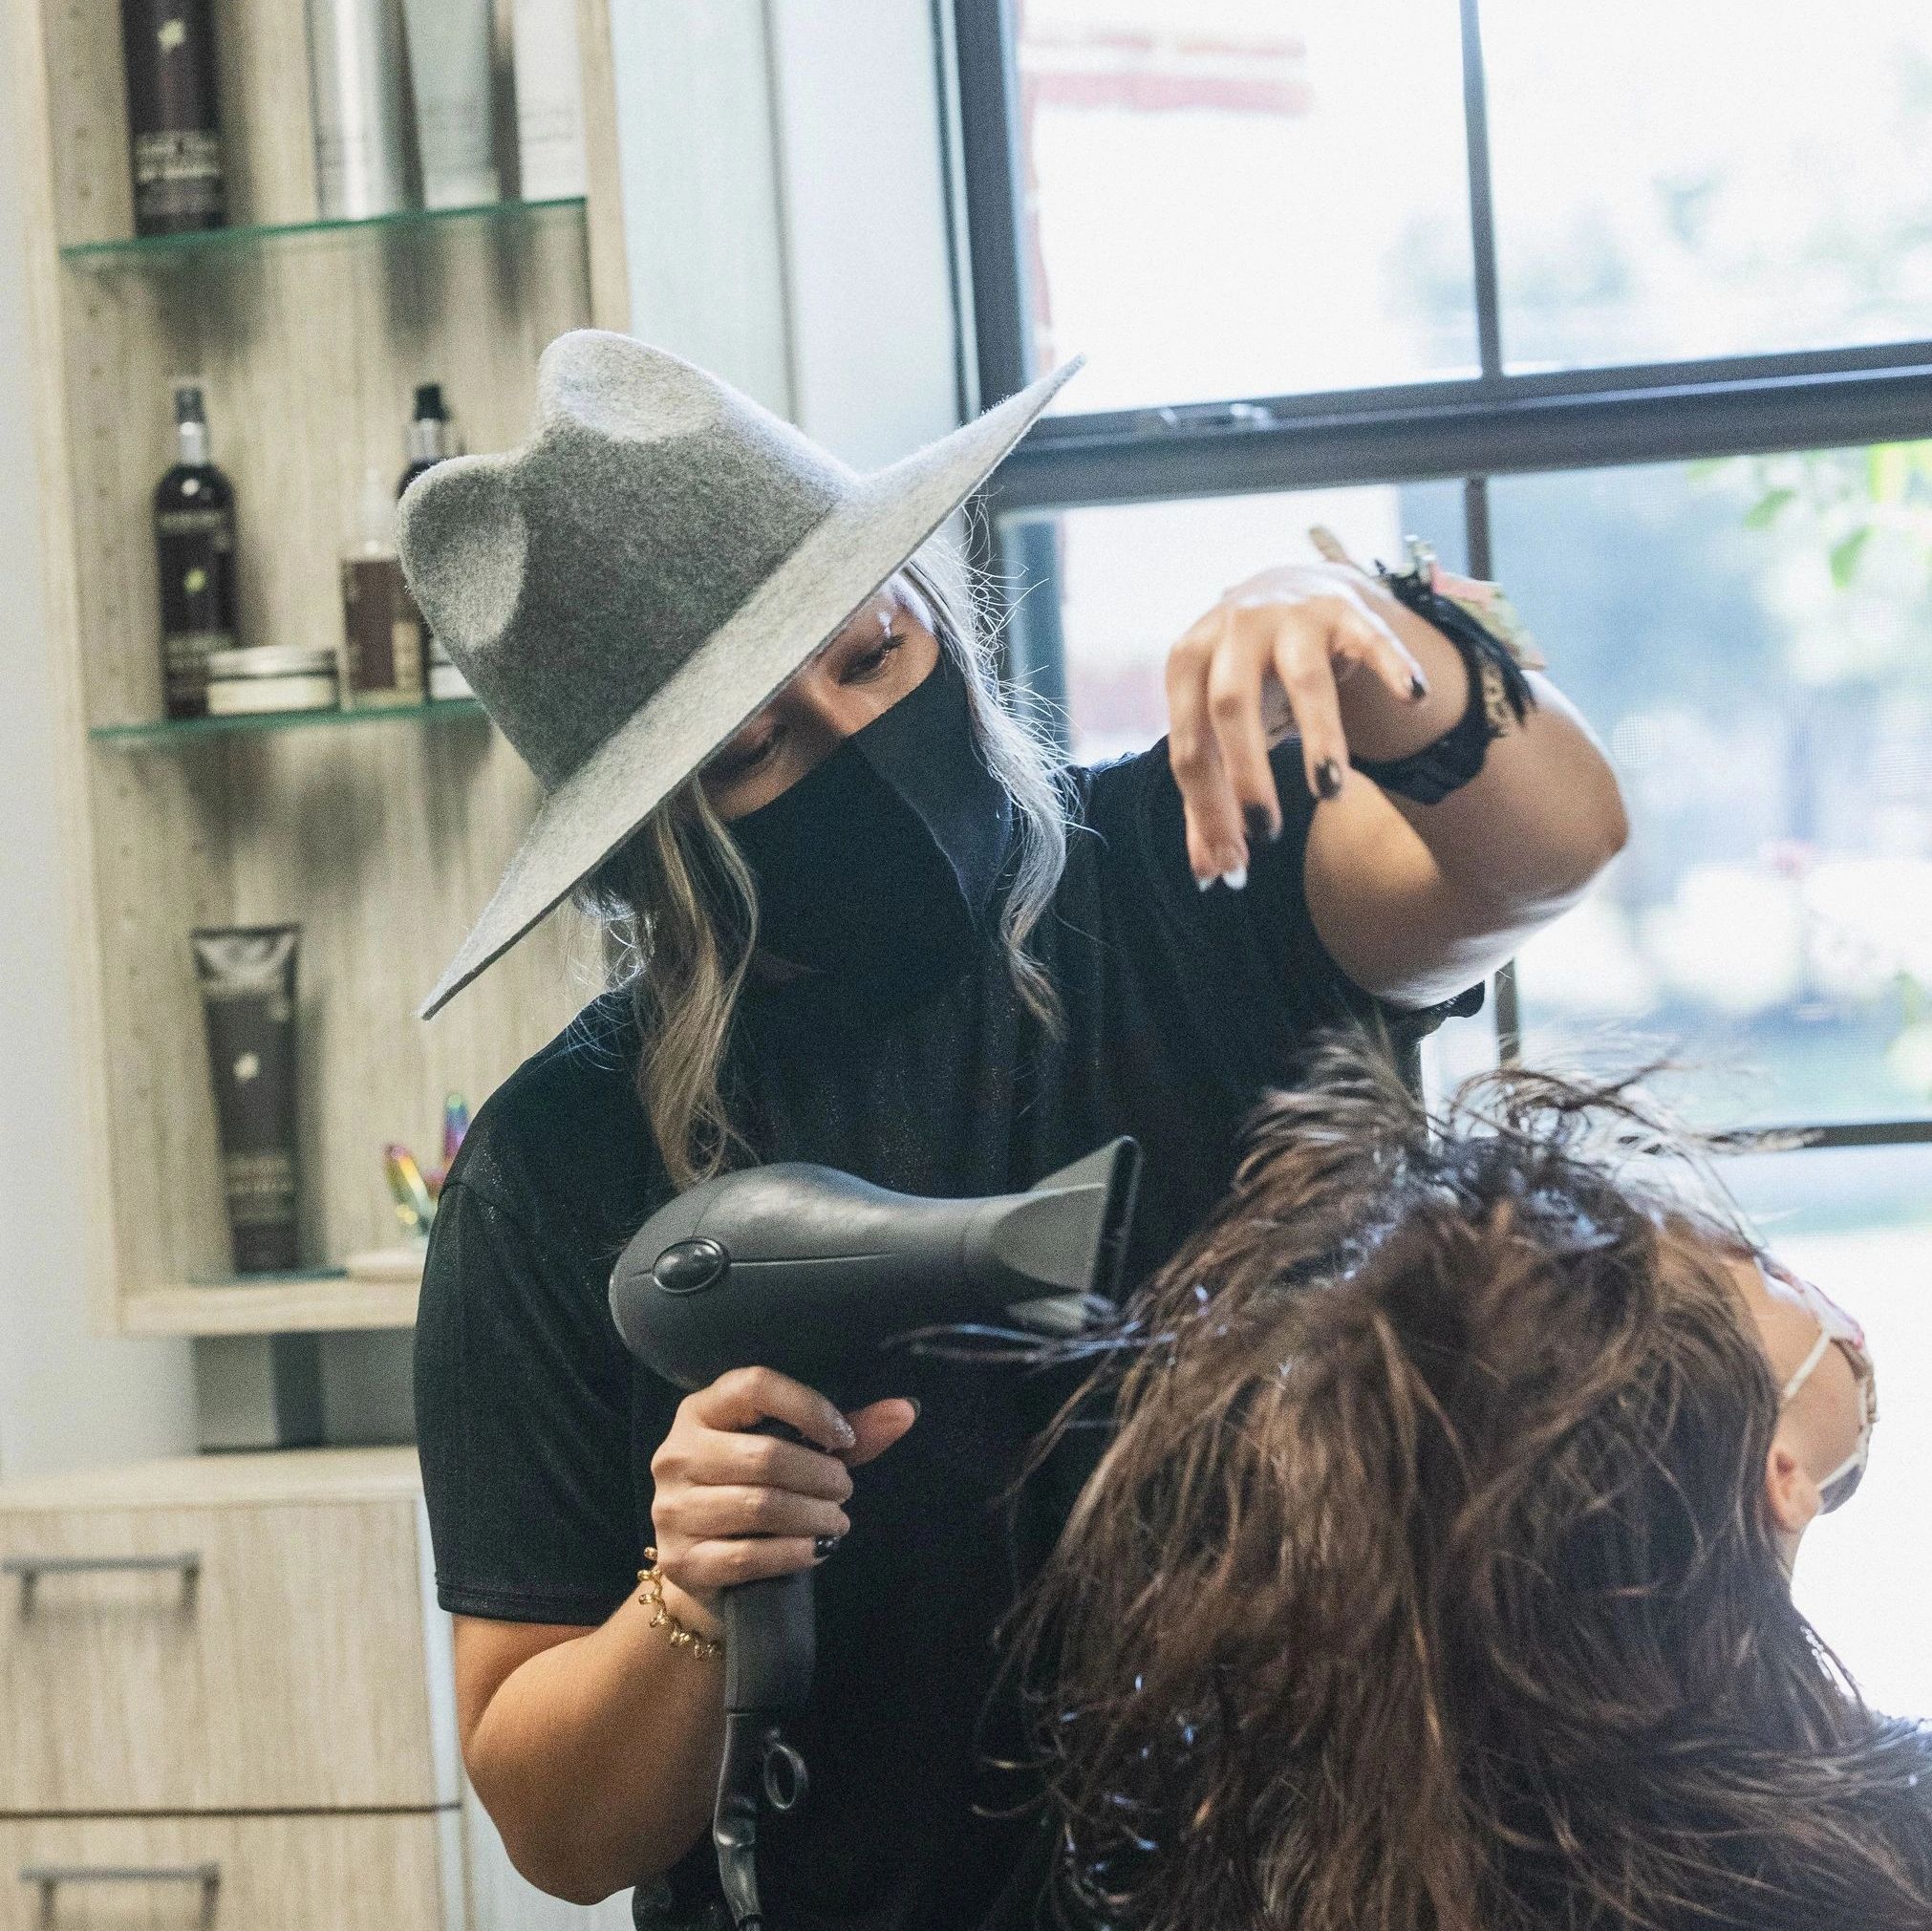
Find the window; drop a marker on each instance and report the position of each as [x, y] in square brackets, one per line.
[1635, 313]
[1720, 179]
[1771, 718]
[1282, 278]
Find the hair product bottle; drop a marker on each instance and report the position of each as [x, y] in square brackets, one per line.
[382, 636]
[173, 124]
[550, 84]
[431, 436]
[248, 981]
[356, 86]
[194, 527]
[450, 76]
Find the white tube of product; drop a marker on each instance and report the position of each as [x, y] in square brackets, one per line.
[355, 83]
[449, 73]
[549, 84]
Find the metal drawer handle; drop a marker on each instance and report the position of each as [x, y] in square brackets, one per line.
[29, 1569]
[51, 1877]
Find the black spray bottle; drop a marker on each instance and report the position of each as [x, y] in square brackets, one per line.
[431, 436]
[194, 523]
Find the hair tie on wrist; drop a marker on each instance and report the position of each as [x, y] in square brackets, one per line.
[1494, 648]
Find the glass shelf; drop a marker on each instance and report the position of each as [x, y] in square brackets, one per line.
[143, 249]
[161, 733]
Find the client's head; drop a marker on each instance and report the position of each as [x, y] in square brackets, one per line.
[1436, 1576]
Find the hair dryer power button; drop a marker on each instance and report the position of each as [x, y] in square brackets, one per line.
[690, 1266]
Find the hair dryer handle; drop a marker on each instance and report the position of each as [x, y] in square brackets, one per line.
[770, 1629]
[770, 1644]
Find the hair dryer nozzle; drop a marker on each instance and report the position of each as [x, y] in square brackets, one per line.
[1067, 1234]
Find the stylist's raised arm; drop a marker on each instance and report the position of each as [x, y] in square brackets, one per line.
[595, 1751]
[859, 911]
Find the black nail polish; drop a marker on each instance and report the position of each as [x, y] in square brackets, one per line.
[824, 1545]
[913, 1401]
[1328, 778]
[1417, 689]
[1261, 828]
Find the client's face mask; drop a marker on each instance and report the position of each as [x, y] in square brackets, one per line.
[1836, 1329]
[879, 866]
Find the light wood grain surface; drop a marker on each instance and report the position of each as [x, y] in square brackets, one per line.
[272, 1305]
[275, 1874]
[289, 1670]
[382, 839]
[287, 1476]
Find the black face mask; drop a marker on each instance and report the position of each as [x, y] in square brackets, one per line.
[879, 867]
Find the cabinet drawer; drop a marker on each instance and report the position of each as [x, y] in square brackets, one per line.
[230, 1874]
[265, 1658]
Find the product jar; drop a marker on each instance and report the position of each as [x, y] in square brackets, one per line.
[272, 678]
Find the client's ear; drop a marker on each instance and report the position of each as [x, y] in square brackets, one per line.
[1791, 1494]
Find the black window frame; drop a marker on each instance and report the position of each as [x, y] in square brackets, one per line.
[1468, 428]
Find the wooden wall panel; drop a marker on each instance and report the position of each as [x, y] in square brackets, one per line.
[383, 839]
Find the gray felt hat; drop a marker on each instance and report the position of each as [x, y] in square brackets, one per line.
[637, 580]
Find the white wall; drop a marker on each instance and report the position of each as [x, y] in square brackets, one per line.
[67, 1398]
[784, 190]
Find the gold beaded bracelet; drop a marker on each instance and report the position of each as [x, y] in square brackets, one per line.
[703, 1648]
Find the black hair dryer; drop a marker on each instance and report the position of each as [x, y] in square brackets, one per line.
[815, 1273]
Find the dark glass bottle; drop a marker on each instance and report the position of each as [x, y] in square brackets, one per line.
[431, 438]
[173, 124]
[194, 524]
[428, 438]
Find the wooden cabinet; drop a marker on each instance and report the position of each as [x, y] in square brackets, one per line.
[220, 1658]
[232, 1873]
[226, 1705]
[382, 837]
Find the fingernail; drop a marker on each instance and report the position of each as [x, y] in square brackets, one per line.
[1328, 778]
[1202, 884]
[1417, 688]
[847, 1437]
[1261, 825]
[913, 1401]
[1236, 879]
[824, 1545]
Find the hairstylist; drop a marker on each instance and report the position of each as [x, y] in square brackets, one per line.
[861, 920]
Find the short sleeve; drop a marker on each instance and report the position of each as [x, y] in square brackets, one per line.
[1259, 963]
[523, 1422]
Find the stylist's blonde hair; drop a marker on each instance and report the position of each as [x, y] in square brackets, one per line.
[680, 915]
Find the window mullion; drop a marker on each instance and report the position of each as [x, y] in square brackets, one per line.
[1482, 201]
[993, 190]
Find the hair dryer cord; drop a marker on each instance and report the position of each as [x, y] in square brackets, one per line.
[759, 1767]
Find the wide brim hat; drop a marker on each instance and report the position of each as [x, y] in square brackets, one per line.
[626, 589]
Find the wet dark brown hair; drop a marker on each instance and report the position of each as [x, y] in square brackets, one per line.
[1427, 1583]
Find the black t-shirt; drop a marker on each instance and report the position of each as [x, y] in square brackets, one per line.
[537, 1430]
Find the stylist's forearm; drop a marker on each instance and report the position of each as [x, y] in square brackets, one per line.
[597, 1758]
[1540, 818]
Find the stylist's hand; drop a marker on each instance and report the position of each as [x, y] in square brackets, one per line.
[1273, 655]
[735, 1506]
